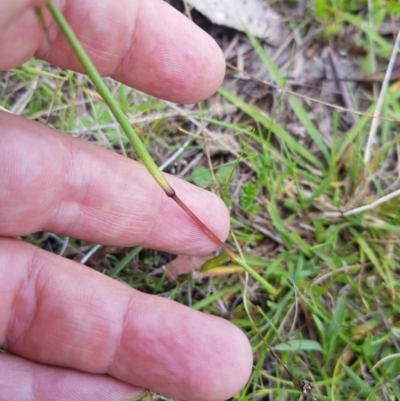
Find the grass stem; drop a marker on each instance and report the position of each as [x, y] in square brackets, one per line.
[138, 145]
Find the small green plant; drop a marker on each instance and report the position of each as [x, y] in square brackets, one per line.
[248, 194]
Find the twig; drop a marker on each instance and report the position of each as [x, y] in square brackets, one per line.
[208, 132]
[90, 254]
[263, 230]
[386, 358]
[4, 109]
[311, 99]
[176, 154]
[340, 270]
[64, 246]
[373, 204]
[372, 47]
[194, 162]
[187, 10]
[376, 117]
[335, 65]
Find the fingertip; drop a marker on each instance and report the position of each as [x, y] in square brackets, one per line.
[216, 357]
[207, 206]
[183, 63]
[207, 68]
[181, 353]
[235, 367]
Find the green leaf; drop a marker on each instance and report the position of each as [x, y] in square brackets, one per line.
[322, 10]
[138, 397]
[362, 24]
[360, 384]
[124, 262]
[247, 195]
[217, 295]
[299, 345]
[289, 237]
[215, 262]
[296, 106]
[393, 8]
[262, 118]
[321, 189]
[201, 176]
[224, 173]
[311, 129]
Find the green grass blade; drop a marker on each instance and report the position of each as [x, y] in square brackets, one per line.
[217, 295]
[360, 384]
[124, 262]
[108, 98]
[297, 345]
[269, 123]
[385, 47]
[297, 107]
[256, 276]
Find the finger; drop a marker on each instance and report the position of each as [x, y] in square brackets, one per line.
[53, 182]
[12, 9]
[144, 44]
[20, 33]
[24, 380]
[57, 312]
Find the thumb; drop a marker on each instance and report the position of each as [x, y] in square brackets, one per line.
[20, 31]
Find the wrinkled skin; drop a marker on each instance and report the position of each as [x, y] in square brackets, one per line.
[70, 332]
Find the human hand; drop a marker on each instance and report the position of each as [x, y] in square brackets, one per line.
[72, 333]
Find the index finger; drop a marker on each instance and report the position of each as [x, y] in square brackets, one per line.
[145, 44]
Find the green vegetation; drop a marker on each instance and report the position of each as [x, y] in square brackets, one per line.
[335, 316]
